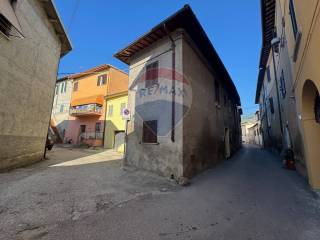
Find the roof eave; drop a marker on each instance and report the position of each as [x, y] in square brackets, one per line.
[126, 53]
[55, 19]
[266, 42]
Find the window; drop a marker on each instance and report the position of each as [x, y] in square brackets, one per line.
[65, 87]
[57, 89]
[75, 86]
[152, 71]
[62, 87]
[110, 110]
[9, 24]
[61, 108]
[271, 105]
[98, 127]
[150, 131]
[317, 108]
[122, 107]
[225, 100]
[102, 80]
[275, 34]
[283, 85]
[293, 19]
[268, 74]
[217, 92]
[82, 128]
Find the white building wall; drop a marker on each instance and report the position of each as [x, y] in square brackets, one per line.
[61, 105]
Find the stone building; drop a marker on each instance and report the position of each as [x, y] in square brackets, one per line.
[60, 108]
[32, 40]
[185, 109]
[289, 81]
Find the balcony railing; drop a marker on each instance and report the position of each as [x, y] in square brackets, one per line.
[90, 109]
[90, 136]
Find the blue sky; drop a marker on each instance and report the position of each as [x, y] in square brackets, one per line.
[99, 28]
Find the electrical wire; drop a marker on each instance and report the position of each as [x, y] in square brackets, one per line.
[73, 15]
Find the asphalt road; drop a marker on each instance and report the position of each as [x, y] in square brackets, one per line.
[249, 197]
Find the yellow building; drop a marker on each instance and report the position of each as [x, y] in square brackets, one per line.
[289, 59]
[115, 125]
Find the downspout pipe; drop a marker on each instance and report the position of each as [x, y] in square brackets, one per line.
[173, 76]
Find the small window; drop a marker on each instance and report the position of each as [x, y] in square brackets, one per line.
[217, 92]
[61, 108]
[275, 34]
[317, 108]
[152, 72]
[75, 86]
[110, 110]
[268, 74]
[98, 126]
[150, 131]
[9, 24]
[62, 87]
[102, 80]
[283, 85]
[122, 107]
[271, 105]
[225, 100]
[65, 87]
[293, 19]
[57, 89]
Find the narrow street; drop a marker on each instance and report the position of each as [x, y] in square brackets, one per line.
[88, 196]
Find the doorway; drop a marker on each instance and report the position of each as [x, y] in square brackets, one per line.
[82, 133]
[311, 129]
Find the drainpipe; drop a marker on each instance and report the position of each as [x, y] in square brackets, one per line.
[173, 72]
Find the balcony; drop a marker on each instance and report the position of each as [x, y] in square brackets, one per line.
[86, 110]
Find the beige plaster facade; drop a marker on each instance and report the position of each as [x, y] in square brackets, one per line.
[28, 72]
[297, 25]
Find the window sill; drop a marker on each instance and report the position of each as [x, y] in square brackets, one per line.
[143, 143]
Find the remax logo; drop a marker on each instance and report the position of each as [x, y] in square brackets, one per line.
[160, 93]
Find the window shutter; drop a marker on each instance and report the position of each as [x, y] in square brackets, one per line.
[9, 18]
[104, 79]
[150, 131]
[268, 74]
[152, 74]
[271, 105]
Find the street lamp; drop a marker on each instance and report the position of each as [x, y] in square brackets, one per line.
[274, 43]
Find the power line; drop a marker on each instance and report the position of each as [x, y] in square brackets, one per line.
[73, 15]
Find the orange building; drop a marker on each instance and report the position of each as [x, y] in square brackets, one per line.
[87, 107]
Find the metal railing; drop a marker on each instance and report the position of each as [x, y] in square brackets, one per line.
[86, 109]
[90, 136]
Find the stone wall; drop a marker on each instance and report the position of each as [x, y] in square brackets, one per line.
[28, 68]
[207, 122]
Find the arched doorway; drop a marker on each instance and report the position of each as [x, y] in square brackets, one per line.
[311, 128]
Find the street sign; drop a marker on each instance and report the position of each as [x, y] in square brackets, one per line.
[126, 114]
